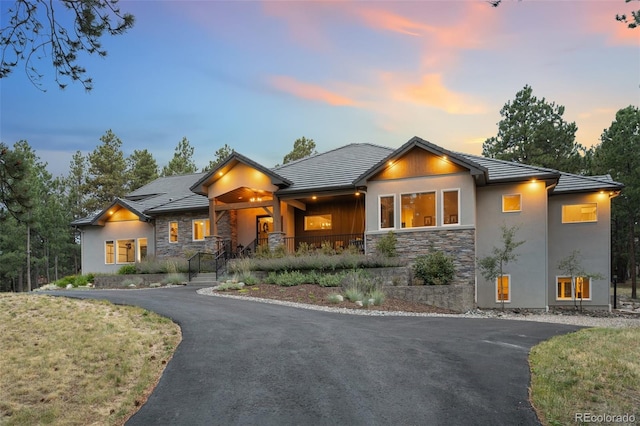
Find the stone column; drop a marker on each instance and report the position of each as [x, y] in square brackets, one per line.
[211, 243]
[276, 239]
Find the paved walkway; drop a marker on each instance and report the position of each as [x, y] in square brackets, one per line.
[250, 363]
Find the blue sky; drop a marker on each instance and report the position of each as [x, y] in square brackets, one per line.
[257, 75]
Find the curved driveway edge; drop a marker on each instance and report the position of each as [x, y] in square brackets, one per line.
[249, 363]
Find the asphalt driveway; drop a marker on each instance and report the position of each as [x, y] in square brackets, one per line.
[250, 363]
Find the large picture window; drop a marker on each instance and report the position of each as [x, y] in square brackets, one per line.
[450, 207]
[387, 211]
[575, 213]
[173, 232]
[126, 251]
[201, 229]
[318, 222]
[142, 249]
[503, 288]
[566, 290]
[511, 203]
[418, 209]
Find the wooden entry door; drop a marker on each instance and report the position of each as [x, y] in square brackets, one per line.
[264, 226]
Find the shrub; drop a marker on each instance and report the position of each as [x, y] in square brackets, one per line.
[327, 248]
[378, 297]
[290, 279]
[335, 298]
[386, 245]
[435, 268]
[81, 280]
[330, 280]
[127, 270]
[304, 249]
[132, 282]
[174, 278]
[249, 280]
[352, 294]
[230, 285]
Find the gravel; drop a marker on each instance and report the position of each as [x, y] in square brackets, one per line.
[609, 320]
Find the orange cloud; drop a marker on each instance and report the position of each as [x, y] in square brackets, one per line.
[599, 18]
[384, 19]
[309, 91]
[432, 92]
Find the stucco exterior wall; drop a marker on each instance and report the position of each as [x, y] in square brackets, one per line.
[592, 239]
[241, 175]
[94, 239]
[529, 271]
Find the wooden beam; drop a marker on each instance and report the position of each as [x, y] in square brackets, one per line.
[246, 205]
[297, 204]
[277, 220]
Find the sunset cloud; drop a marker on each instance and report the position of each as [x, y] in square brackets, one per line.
[432, 92]
[308, 91]
[387, 20]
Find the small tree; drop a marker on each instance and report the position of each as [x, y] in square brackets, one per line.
[386, 245]
[572, 267]
[492, 267]
[435, 268]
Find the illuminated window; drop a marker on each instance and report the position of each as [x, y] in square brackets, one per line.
[511, 203]
[580, 213]
[450, 207]
[173, 232]
[503, 288]
[142, 249]
[387, 211]
[126, 251]
[109, 252]
[418, 209]
[319, 222]
[201, 229]
[581, 289]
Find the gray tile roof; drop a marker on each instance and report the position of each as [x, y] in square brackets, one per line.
[335, 170]
[331, 170]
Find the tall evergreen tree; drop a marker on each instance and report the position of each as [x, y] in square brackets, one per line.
[182, 162]
[221, 154]
[75, 186]
[142, 169]
[107, 177]
[14, 196]
[532, 131]
[618, 155]
[302, 147]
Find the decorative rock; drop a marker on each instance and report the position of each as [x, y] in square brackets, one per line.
[132, 285]
[339, 298]
[69, 286]
[372, 302]
[359, 303]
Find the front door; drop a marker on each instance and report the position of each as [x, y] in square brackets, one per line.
[264, 226]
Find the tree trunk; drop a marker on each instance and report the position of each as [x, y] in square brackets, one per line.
[632, 256]
[29, 258]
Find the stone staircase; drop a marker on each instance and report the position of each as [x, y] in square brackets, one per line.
[204, 278]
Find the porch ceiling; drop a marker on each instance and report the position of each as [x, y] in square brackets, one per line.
[244, 195]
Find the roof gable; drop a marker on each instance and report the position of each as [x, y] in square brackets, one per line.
[200, 187]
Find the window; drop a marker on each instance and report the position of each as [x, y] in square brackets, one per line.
[503, 288]
[580, 213]
[319, 222]
[450, 202]
[126, 251]
[142, 249]
[511, 203]
[418, 209]
[565, 290]
[173, 232]
[201, 229]
[109, 253]
[387, 214]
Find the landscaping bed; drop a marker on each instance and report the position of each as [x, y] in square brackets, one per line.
[316, 295]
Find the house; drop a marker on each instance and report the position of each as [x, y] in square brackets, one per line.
[428, 196]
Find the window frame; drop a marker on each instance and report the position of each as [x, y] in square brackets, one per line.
[509, 289]
[133, 246]
[171, 241]
[511, 195]
[562, 218]
[434, 220]
[573, 288]
[318, 215]
[139, 257]
[442, 214]
[394, 205]
[106, 252]
[206, 224]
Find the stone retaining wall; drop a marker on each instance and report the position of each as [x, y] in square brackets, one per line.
[123, 281]
[459, 298]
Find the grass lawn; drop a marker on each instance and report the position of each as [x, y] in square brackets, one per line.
[595, 371]
[78, 362]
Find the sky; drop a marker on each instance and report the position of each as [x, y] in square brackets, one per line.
[257, 75]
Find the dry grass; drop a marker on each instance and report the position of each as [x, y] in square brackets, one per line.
[78, 362]
[593, 371]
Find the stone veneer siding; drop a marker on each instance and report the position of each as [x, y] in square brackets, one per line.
[185, 244]
[458, 243]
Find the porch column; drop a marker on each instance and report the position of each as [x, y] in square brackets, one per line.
[277, 219]
[213, 222]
